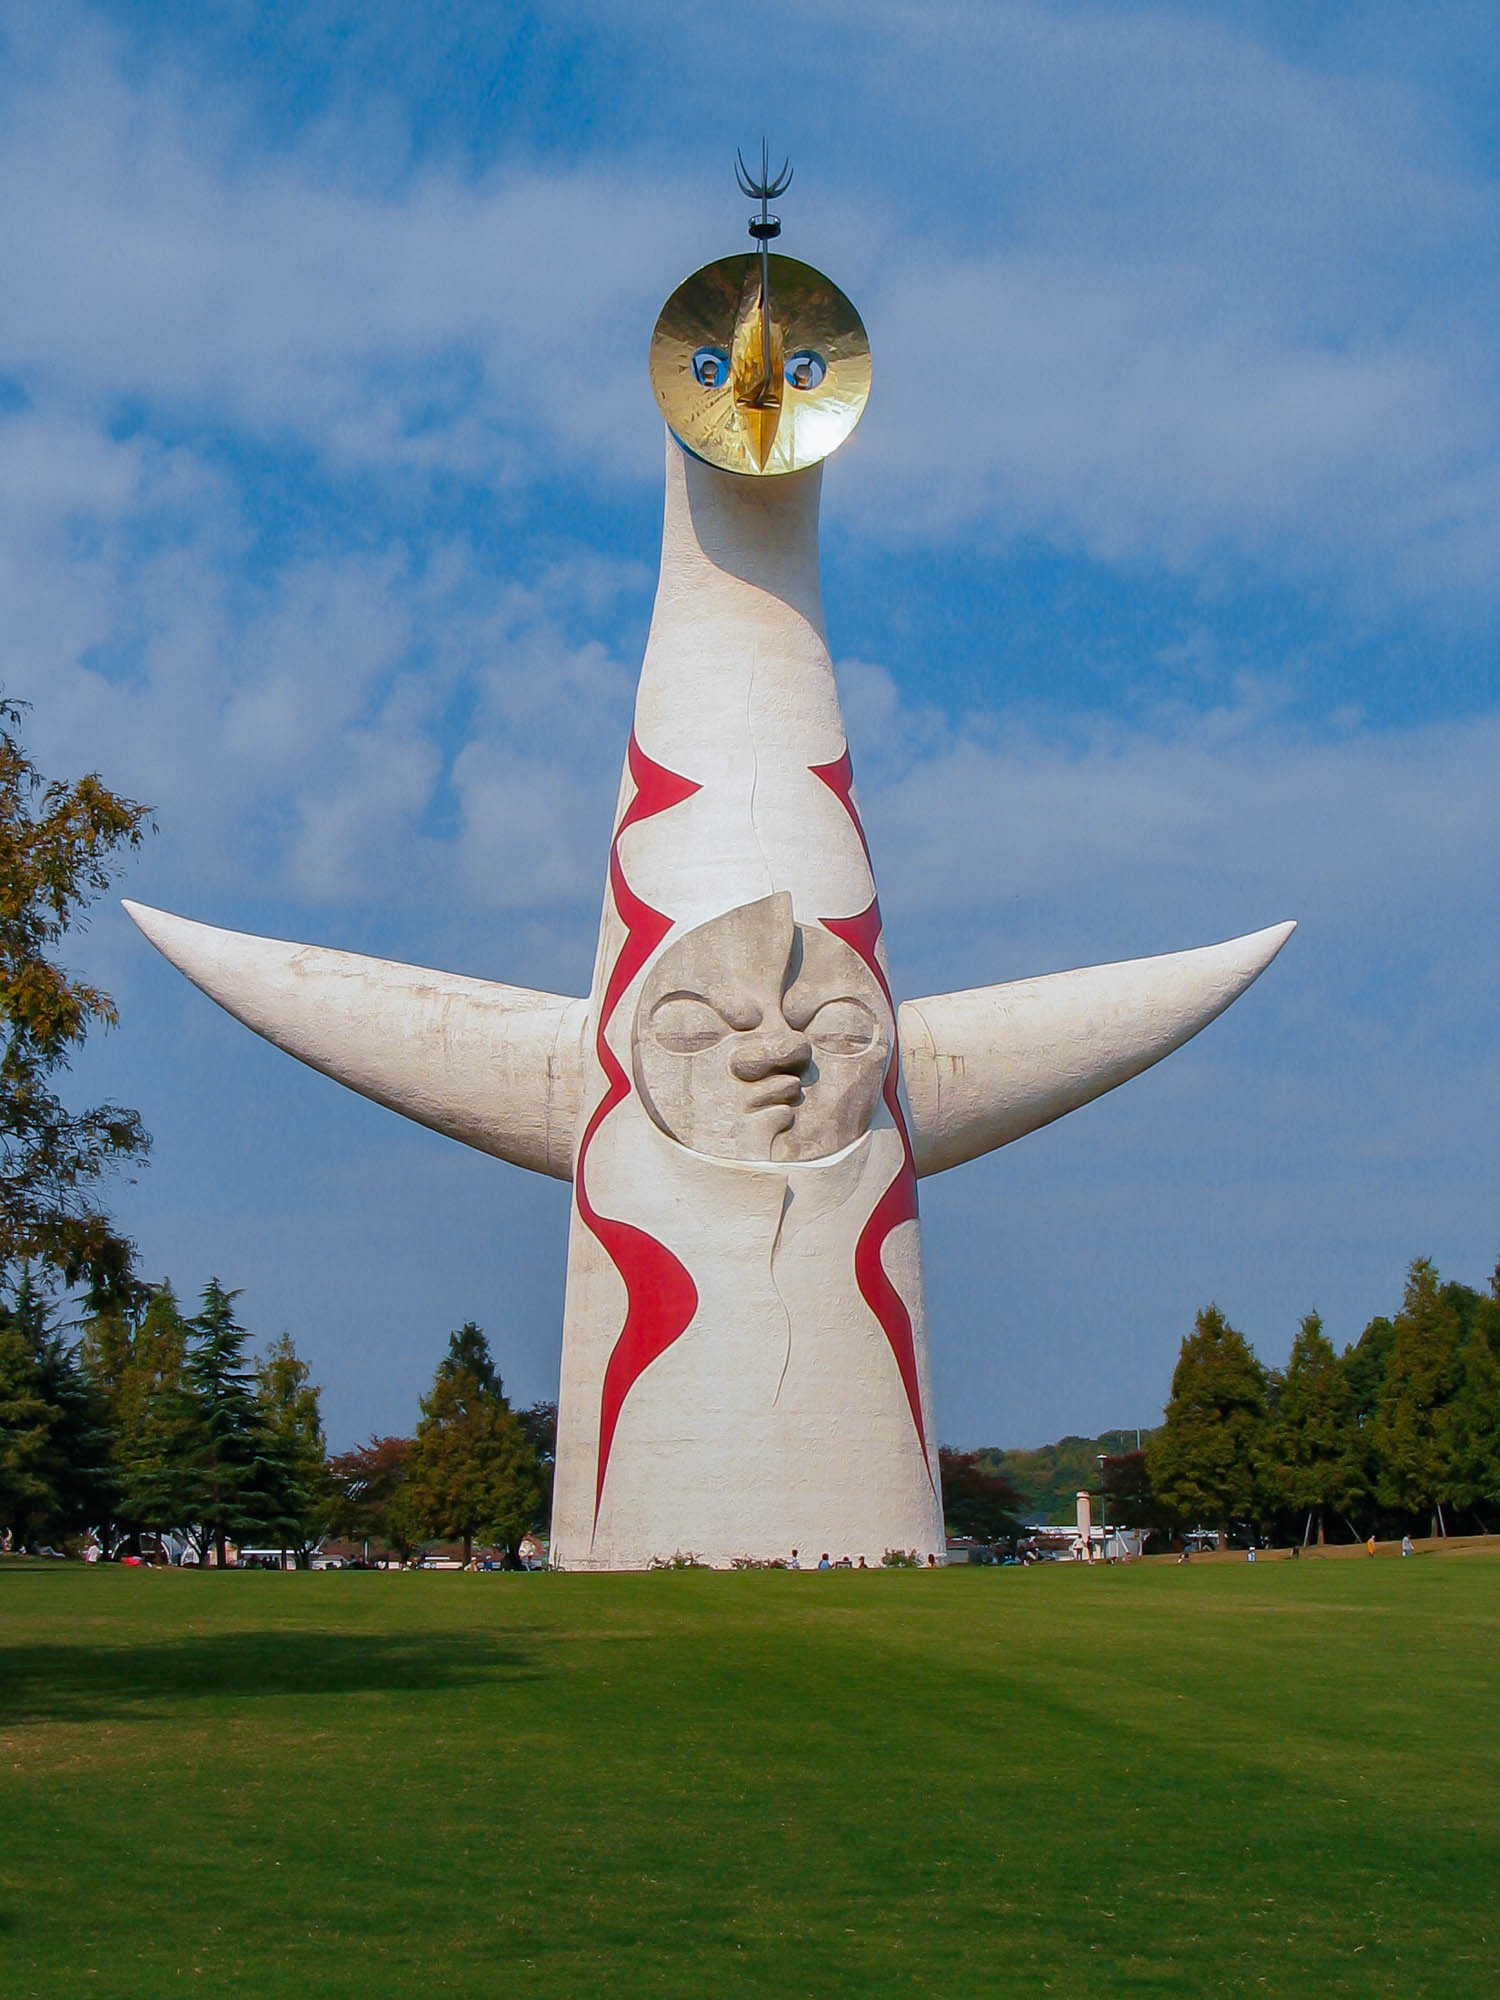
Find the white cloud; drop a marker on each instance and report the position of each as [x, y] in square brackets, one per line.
[1136, 283]
[350, 730]
[1381, 841]
[439, 326]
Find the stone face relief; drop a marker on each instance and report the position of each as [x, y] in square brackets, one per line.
[759, 1038]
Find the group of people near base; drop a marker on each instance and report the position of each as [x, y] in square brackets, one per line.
[1408, 1548]
[909, 1560]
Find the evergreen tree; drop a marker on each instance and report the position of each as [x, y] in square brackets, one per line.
[299, 1450]
[1407, 1438]
[104, 1356]
[1203, 1460]
[1309, 1459]
[1364, 1367]
[1474, 1415]
[28, 1469]
[469, 1359]
[1127, 1495]
[232, 1482]
[54, 1450]
[1465, 1303]
[154, 1423]
[86, 1489]
[471, 1471]
[108, 1342]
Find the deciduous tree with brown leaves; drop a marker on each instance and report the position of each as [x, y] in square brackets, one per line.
[60, 846]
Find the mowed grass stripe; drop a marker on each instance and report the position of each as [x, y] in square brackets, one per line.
[1142, 1781]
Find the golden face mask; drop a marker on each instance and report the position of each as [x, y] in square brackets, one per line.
[760, 387]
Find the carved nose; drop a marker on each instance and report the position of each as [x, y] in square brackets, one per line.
[776, 1051]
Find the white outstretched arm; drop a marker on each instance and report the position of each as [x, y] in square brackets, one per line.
[984, 1067]
[497, 1067]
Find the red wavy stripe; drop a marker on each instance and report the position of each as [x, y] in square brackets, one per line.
[661, 1297]
[899, 1202]
[839, 778]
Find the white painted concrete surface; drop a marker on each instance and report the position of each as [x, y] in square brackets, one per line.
[744, 1359]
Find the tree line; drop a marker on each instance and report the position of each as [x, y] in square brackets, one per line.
[152, 1430]
[156, 1432]
[1398, 1434]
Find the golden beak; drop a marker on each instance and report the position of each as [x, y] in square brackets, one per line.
[756, 364]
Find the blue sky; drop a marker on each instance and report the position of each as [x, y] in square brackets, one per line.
[1163, 575]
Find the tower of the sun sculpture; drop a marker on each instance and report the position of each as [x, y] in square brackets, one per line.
[742, 1108]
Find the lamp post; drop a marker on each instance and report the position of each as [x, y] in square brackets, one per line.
[1103, 1507]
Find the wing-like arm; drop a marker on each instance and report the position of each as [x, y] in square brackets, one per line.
[497, 1067]
[984, 1067]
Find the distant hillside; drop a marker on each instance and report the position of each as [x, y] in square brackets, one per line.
[1048, 1479]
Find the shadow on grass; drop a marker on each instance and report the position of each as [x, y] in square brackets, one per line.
[93, 1683]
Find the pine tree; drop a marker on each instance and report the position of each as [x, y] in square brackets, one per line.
[471, 1471]
[1473, 1432]
[28, 1485]
[108, 1340]
[1309, 1460]
[54, 1448]
[86, 1488]
[231, 1479]
[1364, 1367]
[1203, 1460]
[1407, 1438]
[154, 1423]
[299, 1451]
[104, 1356]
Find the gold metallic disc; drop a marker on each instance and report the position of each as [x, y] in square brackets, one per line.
[756, 398]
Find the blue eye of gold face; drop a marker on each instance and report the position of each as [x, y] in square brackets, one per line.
[711, 367]
[805, 370]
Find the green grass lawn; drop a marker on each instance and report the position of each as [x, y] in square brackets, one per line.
[1148, 1781]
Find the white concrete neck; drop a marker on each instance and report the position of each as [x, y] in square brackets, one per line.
[737, 696]
[722, 530]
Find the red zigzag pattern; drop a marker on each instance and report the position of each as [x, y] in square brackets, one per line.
[899, 1202]
[661, 1297]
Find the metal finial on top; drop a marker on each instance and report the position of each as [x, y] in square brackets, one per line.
[765, 190]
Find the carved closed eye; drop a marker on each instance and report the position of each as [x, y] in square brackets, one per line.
[841, 1028]
[684, 1025]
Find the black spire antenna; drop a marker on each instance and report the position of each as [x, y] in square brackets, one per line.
[764, 227]
[765, 190]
